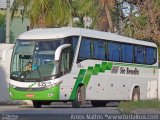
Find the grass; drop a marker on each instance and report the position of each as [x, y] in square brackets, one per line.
[127, 107]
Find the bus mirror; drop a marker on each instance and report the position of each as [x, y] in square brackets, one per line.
[59, 50]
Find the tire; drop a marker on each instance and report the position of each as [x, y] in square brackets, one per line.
[37, 104]
[80, 98]
[98, 103]
[136, 94]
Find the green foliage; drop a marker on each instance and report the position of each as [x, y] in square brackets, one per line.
[156, 4]
[83, 8]
[141, 19]
[2, 19]
[146, 23]
[56, 13]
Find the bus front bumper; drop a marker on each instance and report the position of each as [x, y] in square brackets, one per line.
[48, 94]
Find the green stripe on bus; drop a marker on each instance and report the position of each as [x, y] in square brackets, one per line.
[88, 75]
[96, 69]
[78, 81]
[84, 75]
[109, 66]
[103, 66]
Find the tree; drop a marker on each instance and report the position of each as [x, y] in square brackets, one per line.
[85, 8]
[107, 22]
[53, 13]
[144, 23]
[44, 13]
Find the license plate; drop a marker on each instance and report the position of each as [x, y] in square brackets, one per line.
[30, 95]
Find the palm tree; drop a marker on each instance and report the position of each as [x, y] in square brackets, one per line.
[54, 13]
[83, 8]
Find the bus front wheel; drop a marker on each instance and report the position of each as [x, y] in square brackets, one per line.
[80, 98]
[37, 104]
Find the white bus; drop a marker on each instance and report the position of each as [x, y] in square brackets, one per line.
[77, 65]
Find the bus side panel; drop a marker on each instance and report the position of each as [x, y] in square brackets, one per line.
[67, 86]
[117, 82]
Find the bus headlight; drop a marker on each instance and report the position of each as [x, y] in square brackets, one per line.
[57, 83]
[12, 86]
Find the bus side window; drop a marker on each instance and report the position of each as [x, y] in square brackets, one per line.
[85, 49]
[150, 55]
[99, 49]
[127, 53]
[114, 51]
[74, 42]
[139, 54]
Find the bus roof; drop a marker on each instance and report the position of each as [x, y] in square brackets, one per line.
[53, 33]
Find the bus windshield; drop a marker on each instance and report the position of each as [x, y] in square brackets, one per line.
[34, 59]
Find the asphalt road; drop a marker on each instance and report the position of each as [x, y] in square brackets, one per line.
[56, 112]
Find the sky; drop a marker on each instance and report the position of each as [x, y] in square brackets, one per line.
[3, 3]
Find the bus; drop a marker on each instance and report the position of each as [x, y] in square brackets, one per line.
[77, 65]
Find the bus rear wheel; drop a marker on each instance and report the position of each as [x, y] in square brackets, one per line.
[98, 103]
[80, 98]
[36, 104]
[136, 94]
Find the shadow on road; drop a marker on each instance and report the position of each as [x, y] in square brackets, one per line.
[58, 109]
[55, 106]
[68, 105]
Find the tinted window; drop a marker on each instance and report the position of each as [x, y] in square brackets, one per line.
[74, 42]
[150, 55]
[71, 40]
[65, 62]
[48, 45]
[139, 54]
[127, 53]
[99, 49]
[114, 51]
[85, 48]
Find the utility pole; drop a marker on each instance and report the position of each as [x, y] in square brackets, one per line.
[8, 21]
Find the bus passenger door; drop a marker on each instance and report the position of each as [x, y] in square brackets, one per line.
[65, 61]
